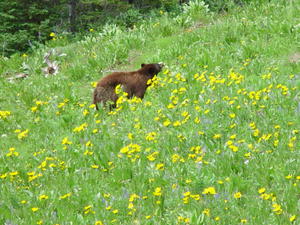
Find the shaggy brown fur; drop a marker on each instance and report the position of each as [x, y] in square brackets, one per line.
[134, 83]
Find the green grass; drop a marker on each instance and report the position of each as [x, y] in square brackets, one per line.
[222, 118]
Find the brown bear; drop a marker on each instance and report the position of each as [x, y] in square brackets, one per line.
[133, 83]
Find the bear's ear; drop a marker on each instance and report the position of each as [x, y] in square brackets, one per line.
[142, 65]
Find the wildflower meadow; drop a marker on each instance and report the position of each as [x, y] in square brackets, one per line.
[216, 139]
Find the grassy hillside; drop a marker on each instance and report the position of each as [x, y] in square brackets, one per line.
[214, 141]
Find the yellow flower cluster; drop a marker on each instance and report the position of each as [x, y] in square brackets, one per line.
[188, 195]
[80, 128]
[209, 191]
[131, 151]
[4, 114]
[12, 152]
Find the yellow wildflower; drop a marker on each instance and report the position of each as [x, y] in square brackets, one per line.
[237, 195]
[23, 134]
[65, 196]
[157, 191]
[34, 209]
[277, 208]
[160, 166]
[43, 197]
[209, 191]
[292, 218]
[261, 190]
[206, 212]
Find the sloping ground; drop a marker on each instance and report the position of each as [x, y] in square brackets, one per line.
[215, 140]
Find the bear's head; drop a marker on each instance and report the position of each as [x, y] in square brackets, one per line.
[151, 69]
